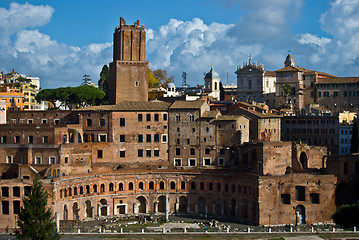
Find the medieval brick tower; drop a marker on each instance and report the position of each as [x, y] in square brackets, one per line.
[129, 69]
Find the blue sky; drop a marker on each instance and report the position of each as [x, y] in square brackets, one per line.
[60, 41]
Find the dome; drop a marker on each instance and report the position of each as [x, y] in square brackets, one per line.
[212, 74]
[171, 85]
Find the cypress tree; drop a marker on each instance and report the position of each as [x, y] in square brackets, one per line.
[354, 142]
[35, 218]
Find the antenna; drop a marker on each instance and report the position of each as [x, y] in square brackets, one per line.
[227, 78]
[184, 80]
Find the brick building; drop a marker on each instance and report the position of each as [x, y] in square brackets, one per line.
[137, 158]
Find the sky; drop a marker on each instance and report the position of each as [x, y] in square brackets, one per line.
[61, 40]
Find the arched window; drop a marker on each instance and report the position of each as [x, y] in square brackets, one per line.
[75, 190]
[95, 188]
[183, 185]
[173, 185]
[151, 185]
[120, 186]
[102, 188]
[110, 187]
[140, 185]
[215, 86]
[162, 185]
[81, 190]
[130, 186]
[201, 185]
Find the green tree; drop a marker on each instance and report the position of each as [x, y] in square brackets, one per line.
[162, 76]
[153, 82]
[355, 141]
[86, 80]
[103, 82]
[287, 89]
[347, 215]
[36, 220]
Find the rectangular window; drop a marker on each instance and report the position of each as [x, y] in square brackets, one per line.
[148, 117]
[177, 162]
[102, 138]
[16, 191]
[207, 151]
[30, 139]
[122, 138]
[16, 207]
[139, 152]
[122, 153]
[345, 93]
[192, 151]
[140, 138]
[156, 117]
[165, 117]
[164, 138]
[52, 160]
[45, 139]
[326, 94]
[9, 159]
[3, 139]
[314, 198]
[192, 162]
[122, 122]
[29, 121]
[5, 191]
[299, 193]
[156, 153]
[37, 160]
[148, 137]
[89, 122]
[139, 116]
[345, 168]
[335, 94]
[178, 151]
[285, 198]
[206, 161]
[5, 207]
[221, 161]
[102, 122]
[319, 94]
[148, 153]
[99, 154]
[156, 138]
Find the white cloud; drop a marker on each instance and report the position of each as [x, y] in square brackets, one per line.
[35, 53]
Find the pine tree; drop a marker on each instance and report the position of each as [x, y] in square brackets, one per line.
[35, 219]
[354, 142]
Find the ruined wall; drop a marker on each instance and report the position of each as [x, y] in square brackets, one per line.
[317, 203]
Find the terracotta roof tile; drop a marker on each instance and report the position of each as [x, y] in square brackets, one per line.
[337, 80]
[130, 106]
[187, 104]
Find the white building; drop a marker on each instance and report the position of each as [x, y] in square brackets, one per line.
[211, 84]
[253, 82]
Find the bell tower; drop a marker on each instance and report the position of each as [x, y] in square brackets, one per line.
[129, 69]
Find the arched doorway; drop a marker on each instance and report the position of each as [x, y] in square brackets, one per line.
[75, 211]
[141, 201]
[303, 160]
[300, 214]
[202, 205]
[232, 209]
[218, 207]
[66, 215]
[88, 208]
[162, 204]
[183, 202]
[103, 207]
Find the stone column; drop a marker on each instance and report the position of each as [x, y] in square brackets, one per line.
[135, 210]
[156, 207]
[57, 221]
[98, 210]
[196, 208]
[176, 207]
[167, 208]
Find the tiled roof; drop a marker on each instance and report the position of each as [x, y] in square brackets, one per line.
[130, 106]
[187, 104]
[242, 111]
[300, 69]
[270, 73]
[210, 114]
[337, 80]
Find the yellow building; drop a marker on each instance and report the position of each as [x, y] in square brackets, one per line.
[14, 100]
[29, 90]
